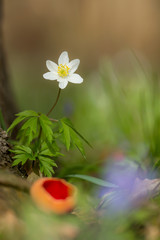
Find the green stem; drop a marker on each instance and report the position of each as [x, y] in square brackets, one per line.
[59, 92]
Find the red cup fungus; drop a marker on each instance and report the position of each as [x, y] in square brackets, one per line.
[54, 195]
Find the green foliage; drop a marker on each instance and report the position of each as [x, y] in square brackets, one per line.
[71, 136]
[20, 117]
[133, 113]
[94, 180]
[22, 154]
[46, 165]
[46, 126]
[66, 134]
[37, 140]
[67, 122]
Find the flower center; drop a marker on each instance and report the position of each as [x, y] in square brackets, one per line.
[63, 70]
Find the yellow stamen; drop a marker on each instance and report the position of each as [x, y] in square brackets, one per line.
[63, 70]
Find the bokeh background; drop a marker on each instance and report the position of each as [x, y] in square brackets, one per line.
[103, 34]
[91, 30]
[116, 108]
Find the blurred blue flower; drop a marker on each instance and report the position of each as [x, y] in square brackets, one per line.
[123, 172]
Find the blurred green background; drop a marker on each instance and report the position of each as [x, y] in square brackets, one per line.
[117, 43]
[117, 106]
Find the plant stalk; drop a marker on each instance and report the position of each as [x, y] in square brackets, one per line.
[59, 92]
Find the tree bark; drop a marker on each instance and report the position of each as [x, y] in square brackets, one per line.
[11, 182]
[7, 104]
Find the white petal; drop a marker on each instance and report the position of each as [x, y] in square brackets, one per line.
[63, 58]
[75, 78]
[50, 76]
[73, 65]
[60, 79]
[63, 84]
[53, 67]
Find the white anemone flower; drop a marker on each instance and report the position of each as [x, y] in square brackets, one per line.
[64, 72]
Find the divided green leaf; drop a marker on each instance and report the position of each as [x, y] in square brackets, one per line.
[77, 143]
[29, 129]
[15, 123]
[37, 140]
[46, 124]
[22, 154]
[71, 136]
[20, 117]
[27, 113]
[69, 124]
[51, 150]
[67, 137]
[46, 165]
